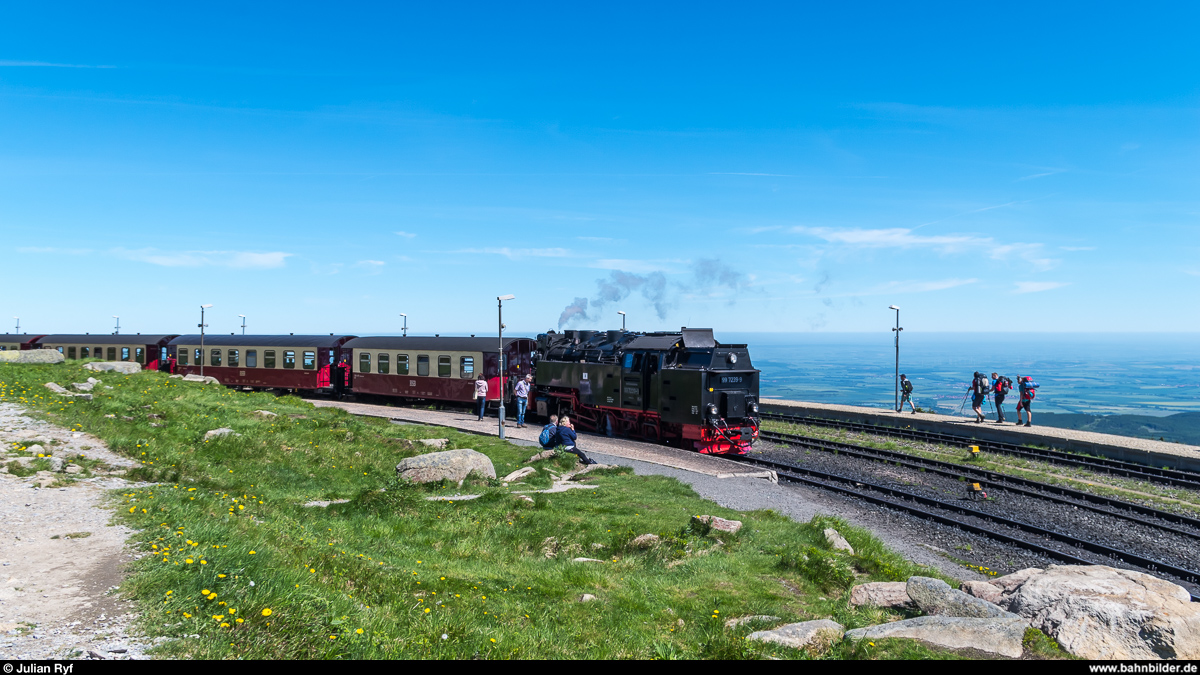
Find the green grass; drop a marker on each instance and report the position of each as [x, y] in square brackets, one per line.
[235, 557]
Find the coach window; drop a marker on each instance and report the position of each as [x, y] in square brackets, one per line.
[364, 362]
[70, 352]
[124, 353]
[182, 357]
[233, 358]
[289, 359]
[310, 361]
[251, 358]
[423, 365]
[402, 364]
[83, 352]
[384, 364]
[269, 358]
[466, 367]
[443, 366]
[214, 357]
[139, 355]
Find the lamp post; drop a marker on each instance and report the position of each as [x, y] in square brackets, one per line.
[897, 330]
[202, 326]
[243, 318]
[622, 320]
[18, 323]
[500, 315]
[117, 330]
[405, 329]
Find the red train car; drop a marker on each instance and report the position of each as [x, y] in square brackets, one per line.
[300, 362]
[147, 350]
[436, 368]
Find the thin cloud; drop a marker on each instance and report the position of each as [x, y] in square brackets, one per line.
[896, 237]
[1030, 253]
[407, 235]
[1036, 175]
[1078, 248]
[637, 266]
[1039, 286]
[370, 266]
[920, 286]
[231, 259]
[45, 64]
[516, 253]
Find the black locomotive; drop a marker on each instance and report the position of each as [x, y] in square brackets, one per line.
[682, 388]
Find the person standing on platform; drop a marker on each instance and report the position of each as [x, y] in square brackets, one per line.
[906, 390]
[481, 392]
[1028, 389]
[1000, 388]
[522, 392]
[979, 391]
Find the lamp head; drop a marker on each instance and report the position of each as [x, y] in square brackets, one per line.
[403, 314]
[621, 313]
[241, 316]
[893, 307]
[205, 306]
[506, 297]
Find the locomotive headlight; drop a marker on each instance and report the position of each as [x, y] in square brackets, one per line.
[731, 357]
[711, 409]
[753, 408]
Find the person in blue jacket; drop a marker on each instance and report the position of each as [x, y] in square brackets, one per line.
[567, 439]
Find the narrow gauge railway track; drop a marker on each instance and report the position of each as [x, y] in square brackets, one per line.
[860, 489]
[1174, 477]
[1002, 481]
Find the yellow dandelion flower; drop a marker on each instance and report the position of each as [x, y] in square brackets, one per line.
[240, 620]
[359, 631]
[266, 612]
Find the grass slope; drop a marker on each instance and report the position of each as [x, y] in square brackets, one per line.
[231, 554]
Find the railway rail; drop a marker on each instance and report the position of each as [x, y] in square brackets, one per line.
[908, 502]
[1173, 477]
[1017, 485]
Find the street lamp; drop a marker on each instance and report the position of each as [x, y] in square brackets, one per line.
[117, 330]
[202, 326]
[622, 320]
[405, 329]
[243, 318]
[897, 330]
[500, 315]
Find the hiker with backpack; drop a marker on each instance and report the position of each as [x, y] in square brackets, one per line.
[1000, 388]
[1028, 389]
[906, 390]
[979, 391]
[549, 436]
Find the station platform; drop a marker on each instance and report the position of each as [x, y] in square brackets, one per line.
[625, 448]
[1126, 448]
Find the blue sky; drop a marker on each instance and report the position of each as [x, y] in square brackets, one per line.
[759, 167]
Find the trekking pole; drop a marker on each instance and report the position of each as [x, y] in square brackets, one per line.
[964, 402]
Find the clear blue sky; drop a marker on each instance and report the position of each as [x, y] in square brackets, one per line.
[750, 167]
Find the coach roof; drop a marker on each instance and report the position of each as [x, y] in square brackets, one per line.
[105, 339]
[263, 340]
[431, 344]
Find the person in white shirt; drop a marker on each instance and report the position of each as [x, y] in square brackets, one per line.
[481, 392]
[522, 393]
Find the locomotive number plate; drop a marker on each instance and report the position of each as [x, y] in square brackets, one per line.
[731, 379]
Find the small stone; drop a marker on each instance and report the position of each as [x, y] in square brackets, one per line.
[837, 541]
[587, 597]
[586, 560]
[525, 498]
[453, 465]
[265, 413]
[518, 474]
[887, 594]
[644, 541]
[218, 433]
[74, 468]
[123, 367]
[1001, 636]
[741, 620]
[37, 450]
[982, 590]
[56, 464]
[935, 597]
[438, 443]
[822, 632]
[82, 386]
[720, 524]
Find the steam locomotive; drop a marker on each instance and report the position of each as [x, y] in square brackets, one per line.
[682, 388]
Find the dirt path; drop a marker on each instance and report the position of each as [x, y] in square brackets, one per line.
[61, 559]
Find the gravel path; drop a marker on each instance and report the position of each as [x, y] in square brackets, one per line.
[61, 559]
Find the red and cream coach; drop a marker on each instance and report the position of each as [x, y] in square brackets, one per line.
[300, 362]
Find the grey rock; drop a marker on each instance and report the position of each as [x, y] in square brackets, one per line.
[175, 377]
[890, 594]
[1001, 636]
[453, 465]
[757, 618]
[982, 590]
[438, 443]
[265, 413]
[837, 541]
[74, 468]
[644, 541]
[56, 464]
[935, 597]
[219, 433]
[545, 454]
[586, 560]
[82, 386]
[83, 397]
[123, 367]
[587, 597]
[32, 356]
[803, 634]
[56, 388]
[518, 474]
[202, 380]
[719, 524]
[1100, 612]
[37, 450]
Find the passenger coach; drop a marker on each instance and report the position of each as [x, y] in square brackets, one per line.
[439, 368]
[301, 362]
[147, 350]
[18, 341]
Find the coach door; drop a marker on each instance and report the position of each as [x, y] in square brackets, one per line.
[631, 381]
